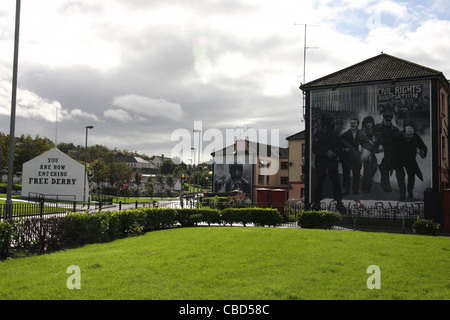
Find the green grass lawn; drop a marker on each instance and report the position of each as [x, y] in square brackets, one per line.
[239, 263]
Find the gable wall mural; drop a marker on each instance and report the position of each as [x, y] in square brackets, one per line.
[371, 143]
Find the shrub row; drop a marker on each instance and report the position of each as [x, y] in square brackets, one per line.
[322, 219]
[76, 229]
[257, 216]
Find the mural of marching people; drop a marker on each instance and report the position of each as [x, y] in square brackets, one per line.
[371, 141]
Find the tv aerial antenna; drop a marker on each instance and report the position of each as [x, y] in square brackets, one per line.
[305, 48]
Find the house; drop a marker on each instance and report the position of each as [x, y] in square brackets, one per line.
[137, 162]
[399, 98]
[296, 165]
[159, 160]
[250, 167]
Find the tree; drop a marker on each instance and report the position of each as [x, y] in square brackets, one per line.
[27, 148]
[169, 181]
[167, 167]
[66, 147]
[4, 148]
[138, 180]
[100, 169]
[98, 152]
[160, 180]
[118, 173]
[138, 177]
[149, 187]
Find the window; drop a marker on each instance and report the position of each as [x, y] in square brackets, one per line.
[284, 180]
[284, 165]
[268, 180]
[260, 179]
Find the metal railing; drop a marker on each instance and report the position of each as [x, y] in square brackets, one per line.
[379, 217]
[35, 209]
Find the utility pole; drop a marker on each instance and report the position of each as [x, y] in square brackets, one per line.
[304, 60]
[85, 160]
[198, 173]
[8, 207]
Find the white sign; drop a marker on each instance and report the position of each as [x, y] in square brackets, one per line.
[54, 174]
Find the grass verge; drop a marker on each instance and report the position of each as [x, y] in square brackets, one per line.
[238, 263]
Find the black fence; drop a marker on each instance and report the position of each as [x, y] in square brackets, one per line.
[384, 217]
[35, 209]
[379, 217]
[43, 209]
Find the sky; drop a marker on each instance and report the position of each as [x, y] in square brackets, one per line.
[145, 74]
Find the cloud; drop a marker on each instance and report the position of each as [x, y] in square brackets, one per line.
[150, 108]
[161, 65]
[29, 105]
[77, 114]
[122, 116]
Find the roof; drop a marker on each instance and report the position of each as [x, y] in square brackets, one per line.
[250, 148]
[161, 158]
[298, 136]
[132, 159]
[382, 67]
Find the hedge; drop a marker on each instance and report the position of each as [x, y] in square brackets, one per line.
[257, 216]
[6, 233]
[38, 235]
[191, 217]
[318, 219]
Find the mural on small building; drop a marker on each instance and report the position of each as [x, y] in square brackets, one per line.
[232, 177]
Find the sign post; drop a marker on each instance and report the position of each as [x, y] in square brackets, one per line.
[125, 186]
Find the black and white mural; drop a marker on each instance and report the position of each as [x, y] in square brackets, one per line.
[371, 143]
[233, 177]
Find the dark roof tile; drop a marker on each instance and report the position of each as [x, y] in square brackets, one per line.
[383, 67]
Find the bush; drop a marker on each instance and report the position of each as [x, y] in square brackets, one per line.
[239, 200]
[157, 218]
[258, 216]
[184, 217]
[211, 216]
[318, 219]
[135, 230]
[80, 228]
[262, 217]
[6, 233]
[215, 202]
[190, 217]
[425, 227]
[230, 216]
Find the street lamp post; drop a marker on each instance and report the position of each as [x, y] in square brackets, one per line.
[8, 206]
[85, 159]
[193, 180]
[198, 177]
